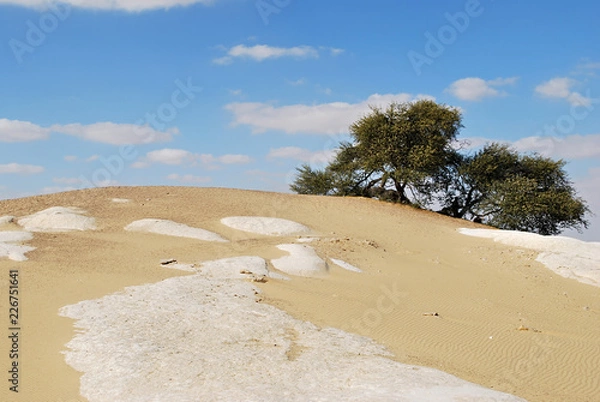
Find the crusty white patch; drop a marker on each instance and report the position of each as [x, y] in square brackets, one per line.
[170, 228]
[58, 219]
[568, 257]
[301, 261]
[264, 226]
[345, 265]
[15, 252]
[206, 338]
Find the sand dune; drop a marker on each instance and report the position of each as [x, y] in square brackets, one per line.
[429, 297]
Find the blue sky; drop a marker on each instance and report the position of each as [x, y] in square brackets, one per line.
[237, 93]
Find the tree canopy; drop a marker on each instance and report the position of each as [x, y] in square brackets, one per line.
[407, 153]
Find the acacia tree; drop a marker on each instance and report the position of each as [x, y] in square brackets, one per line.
[397, 151]
[511, 191]
[405, 154]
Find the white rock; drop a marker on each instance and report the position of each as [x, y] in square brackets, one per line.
[5, 220]
[345, 265]
[57, 219]
[302, 261]
[170, 228]
[264, 226]
[15, 252]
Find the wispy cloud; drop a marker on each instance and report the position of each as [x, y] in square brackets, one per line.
[261, 53]
[560, 88]
[335, 51]
[298, 82]
[169, 156]
[476, 89]
[188, 178]
[587, 68]
[105, 132]
[572, 147]
[124, 5]
[15, 168]
[178, 157]
[303, 155]
[116, 134]
[325, 118]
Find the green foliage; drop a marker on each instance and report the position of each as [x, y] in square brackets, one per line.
[516, 192]
[309, 181]
[405, 154]
[403, 146]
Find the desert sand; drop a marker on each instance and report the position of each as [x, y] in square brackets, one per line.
[485, 312]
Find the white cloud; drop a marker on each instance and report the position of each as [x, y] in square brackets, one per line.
[70, 158]
[587, 68]
[106, 132]
[15, 168]
[556, 87]
[263, 52]
[235, 92]
[21, 131]
[169, 156]
[325, 118]
[188, 178]
[303, 155]
[476, 89]
[93, 158]
[570, 147]
[560, 87]
[116, 134]
[503, 81]
[125, 5]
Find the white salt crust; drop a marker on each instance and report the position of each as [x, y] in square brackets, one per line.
[230, 267]
[57, 219]
[204, 337]
[120, 200]
[15, 252]
[264, 226]
[5, 220]
[345, 265]
[568, 257]
[170, 228]
[302, 261]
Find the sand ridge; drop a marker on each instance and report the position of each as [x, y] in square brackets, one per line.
[504, 320]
